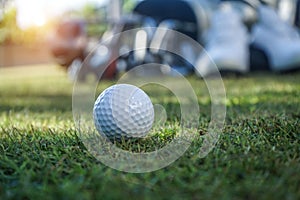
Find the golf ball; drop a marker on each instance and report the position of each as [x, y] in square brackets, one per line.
[123, 111]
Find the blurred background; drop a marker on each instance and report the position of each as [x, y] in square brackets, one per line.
[65, 32]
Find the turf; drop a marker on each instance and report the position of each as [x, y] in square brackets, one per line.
[256, 157]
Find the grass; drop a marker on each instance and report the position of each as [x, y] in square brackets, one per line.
[257, 156]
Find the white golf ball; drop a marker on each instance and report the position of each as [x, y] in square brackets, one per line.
[123, 111]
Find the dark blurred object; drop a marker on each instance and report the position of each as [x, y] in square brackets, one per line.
[188, 12]
[68, 41]
[168, 9]
[297, 17]
[258, 59]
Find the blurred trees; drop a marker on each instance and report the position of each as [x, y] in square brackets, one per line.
[96, 19]
[128, 5]
[94, 15]
[10, 33]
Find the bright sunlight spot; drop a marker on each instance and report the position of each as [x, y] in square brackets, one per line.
[38, 12]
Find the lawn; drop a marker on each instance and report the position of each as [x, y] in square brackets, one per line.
[256, 157]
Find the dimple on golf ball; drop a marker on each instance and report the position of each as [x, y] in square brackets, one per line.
[123, 111]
